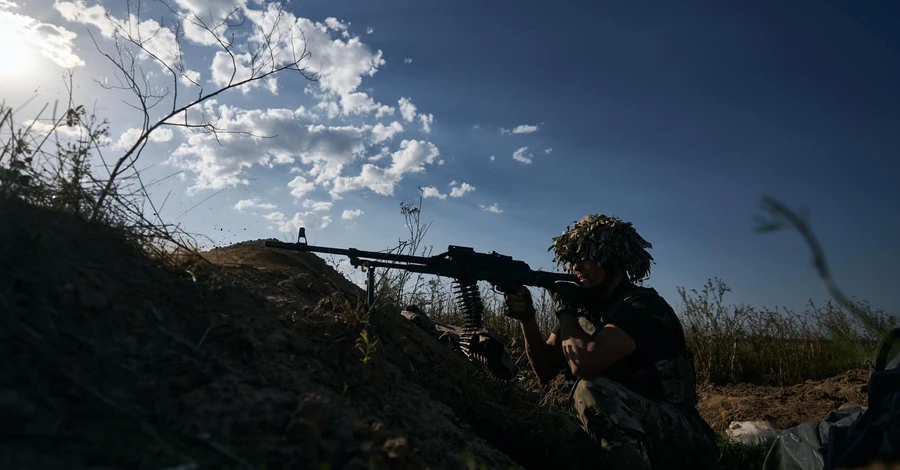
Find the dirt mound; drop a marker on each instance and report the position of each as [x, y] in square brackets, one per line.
[783, 406]
[305, 271]
[258, 358]
[251, 358]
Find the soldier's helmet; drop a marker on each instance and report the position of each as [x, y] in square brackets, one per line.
[602, 238]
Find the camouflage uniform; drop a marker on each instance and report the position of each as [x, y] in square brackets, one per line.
[641, 412]
[636, 433]
[632, 430]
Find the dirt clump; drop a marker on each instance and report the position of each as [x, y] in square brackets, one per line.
[248, 358]
[783, 406]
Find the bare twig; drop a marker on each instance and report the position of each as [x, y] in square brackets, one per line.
[125, 61]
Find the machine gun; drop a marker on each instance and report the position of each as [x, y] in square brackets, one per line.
[463, 264]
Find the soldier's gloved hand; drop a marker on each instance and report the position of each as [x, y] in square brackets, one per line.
[567, 297]
[518, 302]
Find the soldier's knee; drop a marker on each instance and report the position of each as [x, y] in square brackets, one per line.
[610, 424]
[595, 399]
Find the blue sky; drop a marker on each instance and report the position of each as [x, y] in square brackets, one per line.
[678, 118]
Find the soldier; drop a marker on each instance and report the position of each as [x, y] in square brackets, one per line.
[635, 389]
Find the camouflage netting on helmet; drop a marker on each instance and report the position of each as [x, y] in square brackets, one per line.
[602, 238]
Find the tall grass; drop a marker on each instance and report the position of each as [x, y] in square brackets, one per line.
[737, 343]
[55, 160]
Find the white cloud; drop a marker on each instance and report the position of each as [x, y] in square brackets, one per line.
[253, 204]
[462, 189]
[407, 60]
[275, 216]
[224, 71]
[300, 187]
[458, 190]
[381, 133]
[53, 42]
[158, 40]
[335, 24]
[492, 158]
[411, 158]
[522, 155]
[426, 119]
[369, 30]
[328, 149]
[525, 129]
[340, 64]
[407, 109]
[95, 15]
[350, 215]
[211, 13]
[301, 219]
[271, 84]
[520, 129]
[547, 151]
[357, 103]
[492, 208]
[431, 191]
[130, 136]
[317, 206]
[383, 111]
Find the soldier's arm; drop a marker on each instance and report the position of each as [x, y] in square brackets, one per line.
[543, 356]
[588, 356]
[641, 323]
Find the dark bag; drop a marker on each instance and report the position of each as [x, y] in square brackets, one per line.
[850, 438]
[875, 436]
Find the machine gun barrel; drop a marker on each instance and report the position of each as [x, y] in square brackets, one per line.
[352, 253]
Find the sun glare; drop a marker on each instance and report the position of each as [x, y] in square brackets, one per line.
[16, 55]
